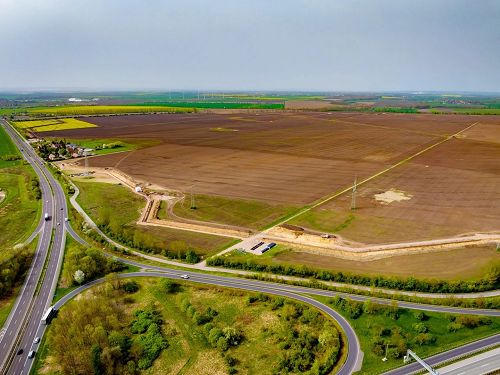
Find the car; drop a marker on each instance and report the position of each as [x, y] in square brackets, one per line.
[58, 223]
[185, 276]
[61, 208]
[65, 219]
[31, 354]
[20, 351]
[37, 340]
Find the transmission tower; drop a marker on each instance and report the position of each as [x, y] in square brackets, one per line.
[193, 207]
[353, 200]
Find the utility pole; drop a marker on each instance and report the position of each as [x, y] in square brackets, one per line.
[193, 207]
[353, 199]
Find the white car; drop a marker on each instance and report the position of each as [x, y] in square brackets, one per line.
[37, 340]
[32, 354]
[185, 276]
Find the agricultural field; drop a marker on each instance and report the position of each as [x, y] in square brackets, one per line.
[296, 159]
[53, 125]
[291, 159]
[196, 329]
[117, 210]
[102, 109]
[19, 210]
[8, 150]
[239, 212]
[467, 264]
[216, 104]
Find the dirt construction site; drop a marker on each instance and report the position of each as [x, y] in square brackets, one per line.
[433, 176]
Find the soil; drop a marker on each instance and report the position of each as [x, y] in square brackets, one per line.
[281, 158]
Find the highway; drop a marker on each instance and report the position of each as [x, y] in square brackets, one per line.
[29, 309]
[480, 364]
[56, 206]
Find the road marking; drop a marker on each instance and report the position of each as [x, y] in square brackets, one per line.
[485, 365]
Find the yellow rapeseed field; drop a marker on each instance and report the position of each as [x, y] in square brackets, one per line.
[56, 124]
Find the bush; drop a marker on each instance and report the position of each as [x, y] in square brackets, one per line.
[207, 328]
[222, 344]
[168, 285]
[185, 305]
[420, 327]
[453, 327]
[131, 286]
[392, 353]
[214, 335]
[450, 317]
[231, 370]
[190, 311]
[419, 315]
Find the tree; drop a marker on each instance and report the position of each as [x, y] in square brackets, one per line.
[95, 358]
[231, 335]
[222, 344]
[419, 315]
[213, 336]
[79, 276]
[368, 307]
[168, 285]
[191, 257]
[185, 304]
[131, 286]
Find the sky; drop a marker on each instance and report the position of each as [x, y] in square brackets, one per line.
[282, 45]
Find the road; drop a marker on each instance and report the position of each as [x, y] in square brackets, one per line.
[29, 308]
[479, 364]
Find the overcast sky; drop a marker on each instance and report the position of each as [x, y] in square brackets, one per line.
[316, 45]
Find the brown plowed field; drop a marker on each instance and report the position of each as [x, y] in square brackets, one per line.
[484, 132]
[454, 189]
[285, 158]
[432, 124]
[298, 158]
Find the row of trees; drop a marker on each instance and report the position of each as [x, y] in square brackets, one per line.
[12, 267]
[488, 282]
[112, 226]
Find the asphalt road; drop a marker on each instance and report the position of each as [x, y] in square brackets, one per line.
[478, 367]
[54, 203]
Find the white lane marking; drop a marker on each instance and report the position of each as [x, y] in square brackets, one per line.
[485, 365]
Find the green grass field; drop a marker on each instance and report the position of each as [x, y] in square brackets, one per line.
[104, 109]
[125, 207]
[19, 211]
[128, 144]
[7, 147]
[262, 326]
[213, 104]
[367, 325]
[239, 212]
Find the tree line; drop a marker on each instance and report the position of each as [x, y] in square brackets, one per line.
[489, 281]
[12, 267]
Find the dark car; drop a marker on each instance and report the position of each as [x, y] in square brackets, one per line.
[20, 351]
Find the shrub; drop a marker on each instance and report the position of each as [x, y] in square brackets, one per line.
[392, 353]
[190, 311]
[419, 315]
[420, 327]
[222, 344]
[453, 327]
[214, 335]
[168, 285]
[185, 304]
[131, 286]
[450, 317]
